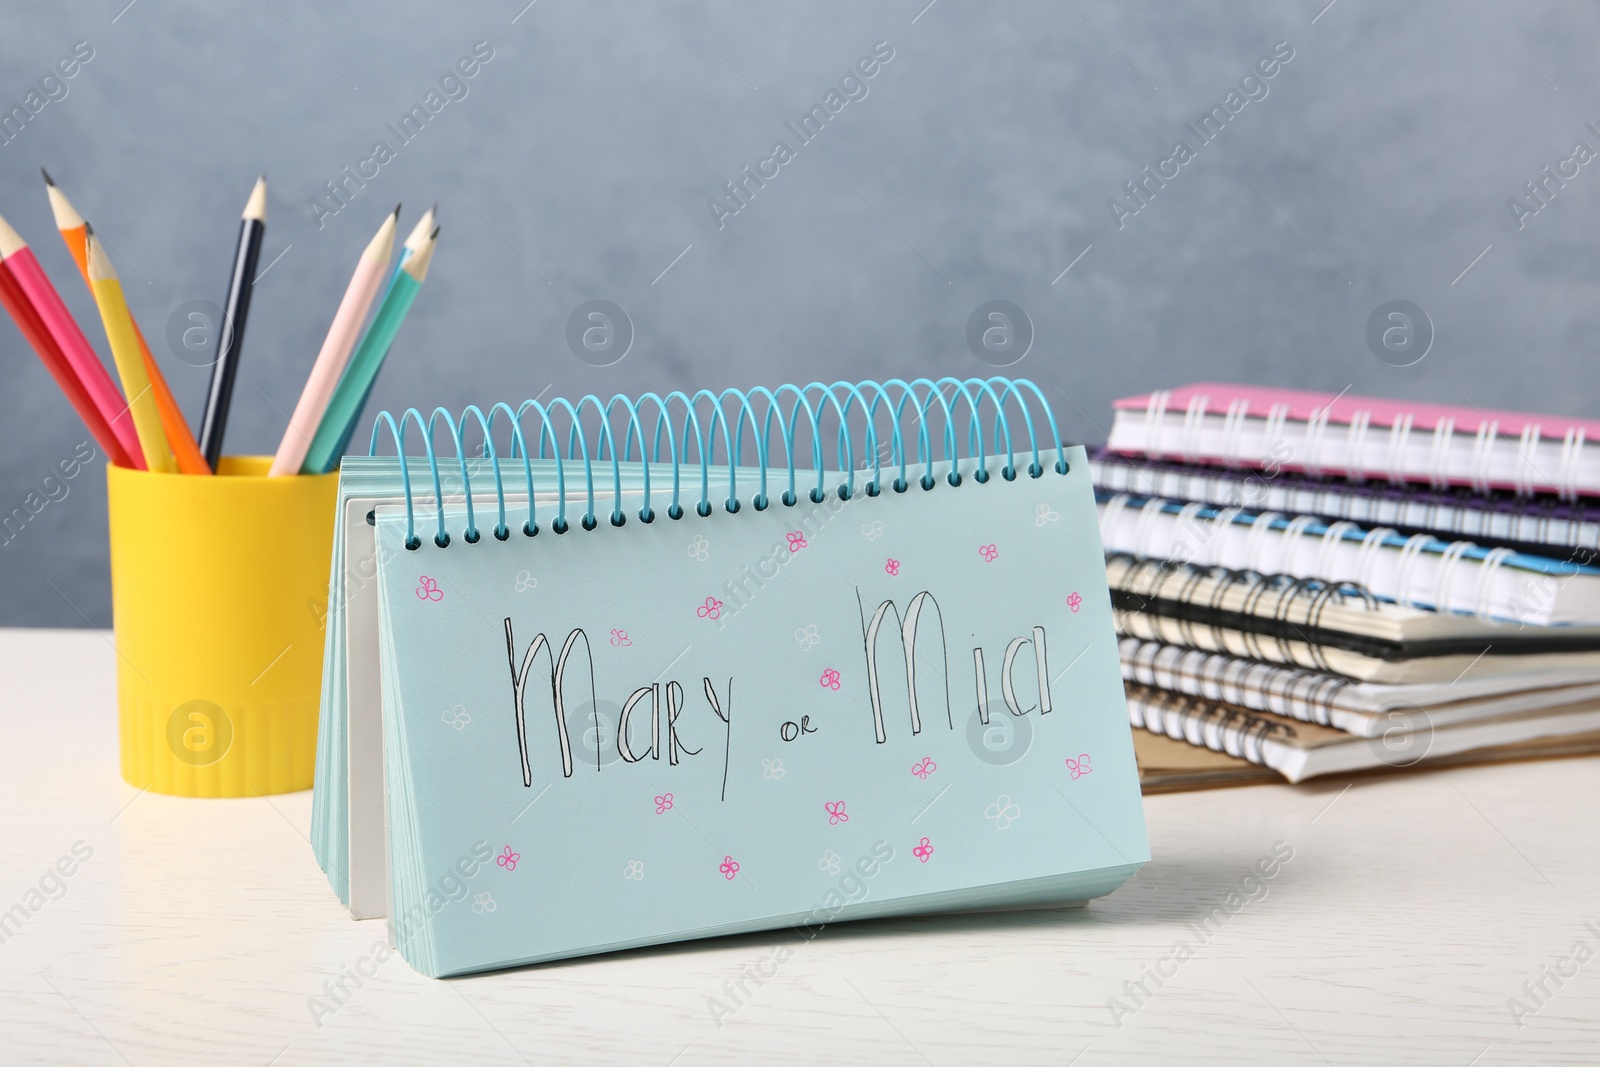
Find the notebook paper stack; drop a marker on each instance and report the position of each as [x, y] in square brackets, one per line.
[1319, 584]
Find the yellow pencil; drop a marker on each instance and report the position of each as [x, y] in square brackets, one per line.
[124, 341]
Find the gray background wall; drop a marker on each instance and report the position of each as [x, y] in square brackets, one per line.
[978, 167]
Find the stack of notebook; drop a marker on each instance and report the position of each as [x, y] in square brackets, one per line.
[1319, 584]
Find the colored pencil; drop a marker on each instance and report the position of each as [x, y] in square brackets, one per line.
[419, 235]
[125, 350]
[24, 267]
[74, 232]
[230, 340]
[336, 348]
[345, 405]
[55, 362]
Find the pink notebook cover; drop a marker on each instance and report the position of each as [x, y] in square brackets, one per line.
[1383, 411]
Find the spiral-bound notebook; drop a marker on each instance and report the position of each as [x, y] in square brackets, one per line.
[1540, 525]
[1362, 437]
[1420, 570]
[1329, 626]
[720, 663]
[1365, 709]
[1300, 750]
[1169, 765]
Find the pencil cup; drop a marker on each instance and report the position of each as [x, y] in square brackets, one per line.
[219, 591]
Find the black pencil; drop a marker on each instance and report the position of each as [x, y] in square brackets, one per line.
[230, 333]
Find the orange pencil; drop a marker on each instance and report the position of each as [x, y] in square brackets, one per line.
[74, 231]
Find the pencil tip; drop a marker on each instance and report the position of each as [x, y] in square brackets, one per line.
[66, 216]
[11, 241]
[421, 257]
[397, 211]
[99, 266]
[88, 229]
[256, 207]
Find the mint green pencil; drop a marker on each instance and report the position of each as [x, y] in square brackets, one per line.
[351, 392]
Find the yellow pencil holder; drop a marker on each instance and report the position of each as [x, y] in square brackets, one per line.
[219, 590]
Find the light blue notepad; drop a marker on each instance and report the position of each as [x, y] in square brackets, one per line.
[898, 693]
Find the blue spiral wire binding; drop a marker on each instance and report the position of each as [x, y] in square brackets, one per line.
[726, 418]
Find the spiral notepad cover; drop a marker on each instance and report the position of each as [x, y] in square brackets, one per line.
[1266, 617]
[1416, 571]
[1343, 703]
[1333, 627]
[1220, 727]
[1537, 524]
[698, 664]
[1362, 437]
[1301, 750]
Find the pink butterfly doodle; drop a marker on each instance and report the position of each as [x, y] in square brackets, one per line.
[1074, 601]
[830, 679]
[428, 589]
[988, 552]
[508, 859]
[892, 567]
[836, 814]
[620, 639]
[663, 803]
[923, 851]
[711, 609]
[1080, 766]
[797, 541]
[729, 868]
[925, 768]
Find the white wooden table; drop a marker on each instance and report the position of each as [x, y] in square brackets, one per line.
[201, 931]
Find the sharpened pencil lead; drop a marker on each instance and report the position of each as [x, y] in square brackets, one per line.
[67, 217]
[256, 207]
[419, 231]
[100, 268]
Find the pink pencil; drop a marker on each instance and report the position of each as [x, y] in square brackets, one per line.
[60, 324]
[368, 278]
